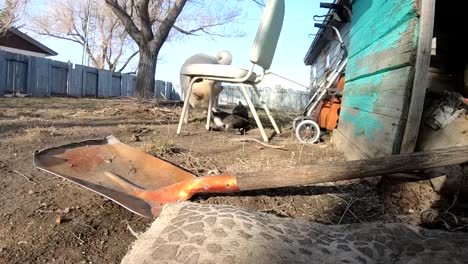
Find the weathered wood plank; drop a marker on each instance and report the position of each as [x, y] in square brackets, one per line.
[159, 89]
[454, 134]
[69, 76]
[59, 64]
[385, 93]
[42, 77]
[125, 83]
[104, 83]
[376, 135]
[3, 73]
[345, 145]
[397, 49]
[168, 91]
[347, 170]
[372, 20]
[116, 84]
[128, 84]
[90, 81]
[423, 59]
[58, 79]
[379, 75]
[76, 83]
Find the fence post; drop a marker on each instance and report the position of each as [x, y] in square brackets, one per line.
[3, 73]
[69, 77]
[159, 89]
[168, 91]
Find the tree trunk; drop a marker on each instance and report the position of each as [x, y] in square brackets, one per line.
[146, 73]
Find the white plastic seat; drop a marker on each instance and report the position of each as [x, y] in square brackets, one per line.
[217, 71]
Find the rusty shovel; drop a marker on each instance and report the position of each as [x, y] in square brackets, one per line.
[143, 183]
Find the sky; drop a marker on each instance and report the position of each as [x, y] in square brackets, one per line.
[293, 44]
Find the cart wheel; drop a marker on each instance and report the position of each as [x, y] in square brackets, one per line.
[296, 121]
[307, 132]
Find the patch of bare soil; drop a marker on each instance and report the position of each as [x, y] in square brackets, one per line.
[44, 219]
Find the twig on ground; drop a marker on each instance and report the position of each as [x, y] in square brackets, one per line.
[78, 223]
[454, 201]
[26, 177]
[300, 152]
[135, 234]
[348, 207]
[346, 210]
[276, 211]
[81, 240]
[45, 211]
[102, 207]
[259, 142]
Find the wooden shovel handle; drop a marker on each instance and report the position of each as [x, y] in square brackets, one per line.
[179, 191]
[347, 170]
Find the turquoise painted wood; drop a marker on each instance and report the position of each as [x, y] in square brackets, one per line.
[379, 74]
[373, 20]
[398, 50]
[382, 93]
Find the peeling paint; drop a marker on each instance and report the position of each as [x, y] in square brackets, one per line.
[364, 123]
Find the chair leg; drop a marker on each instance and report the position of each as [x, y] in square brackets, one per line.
[265, 107]
[184, 114]
[254, 112]
[210, 110]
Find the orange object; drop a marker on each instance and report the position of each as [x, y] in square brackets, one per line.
[329, 113]
[341, 82]
[330, 109]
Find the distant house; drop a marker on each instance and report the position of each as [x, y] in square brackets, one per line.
[18, 42]
[324, 50]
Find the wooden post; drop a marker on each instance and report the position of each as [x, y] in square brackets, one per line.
[347, 170]
[423, 58]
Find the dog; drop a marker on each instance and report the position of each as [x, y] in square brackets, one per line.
[238, 120]
[203, 90]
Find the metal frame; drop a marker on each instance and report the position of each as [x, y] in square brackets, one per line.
[243, 82]
[324, 86]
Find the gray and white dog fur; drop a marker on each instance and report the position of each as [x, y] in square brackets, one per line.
[201, 91]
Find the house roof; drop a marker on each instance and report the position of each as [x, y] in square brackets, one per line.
[19, 40]
[320, 41]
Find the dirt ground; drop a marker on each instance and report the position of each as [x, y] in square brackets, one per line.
[45, 219]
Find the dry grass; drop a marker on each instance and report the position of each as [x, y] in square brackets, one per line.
[36, 132]
[160, 147]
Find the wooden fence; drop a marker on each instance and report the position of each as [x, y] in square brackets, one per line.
[37, 76]
[275, 98]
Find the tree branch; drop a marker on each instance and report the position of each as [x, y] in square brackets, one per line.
[145, 20]
[127, 21]
[128, 61]
[202, 29]
[168, 22]
[60, 37]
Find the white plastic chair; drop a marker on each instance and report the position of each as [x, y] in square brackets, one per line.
[261, 55]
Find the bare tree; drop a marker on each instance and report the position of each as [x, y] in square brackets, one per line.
[92, 25]
[150, 22]
[10, 12]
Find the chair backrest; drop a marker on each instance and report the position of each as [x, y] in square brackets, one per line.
[268, 33]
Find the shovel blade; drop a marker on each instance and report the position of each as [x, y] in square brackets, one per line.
[86, 163]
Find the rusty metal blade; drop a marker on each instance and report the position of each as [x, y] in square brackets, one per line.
[87, 162]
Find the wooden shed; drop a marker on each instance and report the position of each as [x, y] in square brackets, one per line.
[398, 51]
